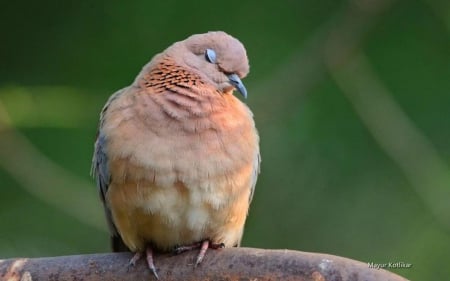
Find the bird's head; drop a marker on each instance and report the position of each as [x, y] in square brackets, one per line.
[217, 57]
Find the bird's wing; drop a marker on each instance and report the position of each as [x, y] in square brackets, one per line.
[256, 170]
[101, 174]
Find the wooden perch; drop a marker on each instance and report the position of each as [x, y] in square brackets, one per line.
[224, 264]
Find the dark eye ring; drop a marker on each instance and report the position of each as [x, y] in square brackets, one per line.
[210, 55]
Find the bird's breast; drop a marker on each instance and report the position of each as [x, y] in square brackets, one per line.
[191, 148]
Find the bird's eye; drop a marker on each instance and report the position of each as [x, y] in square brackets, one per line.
[210, 55]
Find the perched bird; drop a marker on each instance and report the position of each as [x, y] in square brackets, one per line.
[177, 155]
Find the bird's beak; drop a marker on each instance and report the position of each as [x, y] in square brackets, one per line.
[237, 83]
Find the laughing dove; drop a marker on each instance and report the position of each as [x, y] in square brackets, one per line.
[177, 155]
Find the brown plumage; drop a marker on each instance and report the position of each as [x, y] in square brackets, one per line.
[177, 155]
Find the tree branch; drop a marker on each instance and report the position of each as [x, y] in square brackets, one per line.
[223, 264]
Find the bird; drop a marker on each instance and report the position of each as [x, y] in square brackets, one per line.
[176, 158]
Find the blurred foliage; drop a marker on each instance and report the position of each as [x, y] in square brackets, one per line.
[327, 185]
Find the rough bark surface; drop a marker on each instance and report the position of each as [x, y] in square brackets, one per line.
[224, 264]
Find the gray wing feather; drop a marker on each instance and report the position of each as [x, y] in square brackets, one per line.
[102, 176]
[100, 170]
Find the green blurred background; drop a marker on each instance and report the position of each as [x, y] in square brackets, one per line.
[351, 99]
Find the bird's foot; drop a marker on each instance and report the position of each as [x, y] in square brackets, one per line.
[150, 263]
[149, 256]
[203, 245]
[206, 244]
[137, 256]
